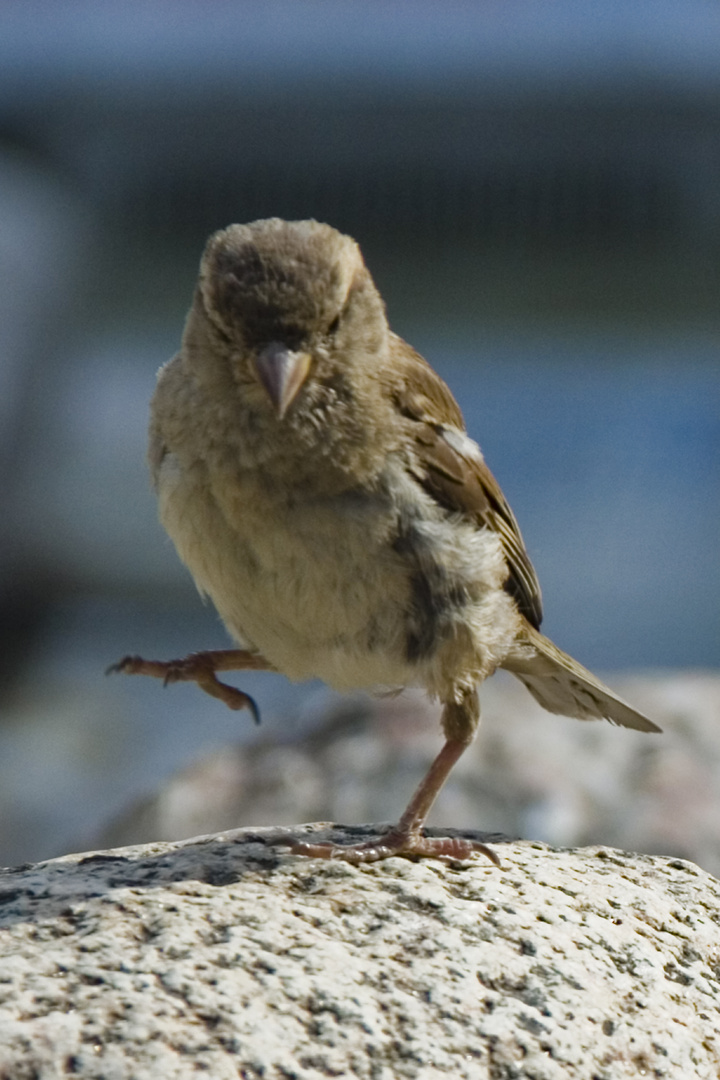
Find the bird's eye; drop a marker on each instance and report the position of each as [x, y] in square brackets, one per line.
[334, 325]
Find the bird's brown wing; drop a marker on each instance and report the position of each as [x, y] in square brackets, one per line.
[454, 474]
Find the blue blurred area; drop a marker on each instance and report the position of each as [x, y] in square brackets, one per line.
[535, 189]
[609, 452]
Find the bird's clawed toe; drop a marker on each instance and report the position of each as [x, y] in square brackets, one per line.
[396, 842]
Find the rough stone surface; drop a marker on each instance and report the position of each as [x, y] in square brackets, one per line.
[224, 956]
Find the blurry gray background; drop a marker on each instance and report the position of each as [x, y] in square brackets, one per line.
[536, 189]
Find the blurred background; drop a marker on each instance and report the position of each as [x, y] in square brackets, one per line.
[536, 189]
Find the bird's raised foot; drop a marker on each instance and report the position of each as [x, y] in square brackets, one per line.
[407, 845]
[199, 667]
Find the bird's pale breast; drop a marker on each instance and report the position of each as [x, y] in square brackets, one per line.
[366, 589]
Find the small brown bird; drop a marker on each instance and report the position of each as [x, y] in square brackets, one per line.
[316, 478]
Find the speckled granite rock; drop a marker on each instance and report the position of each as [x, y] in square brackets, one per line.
[226, 956]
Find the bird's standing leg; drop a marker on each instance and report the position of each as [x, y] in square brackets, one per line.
[200, 667]
[460, 722]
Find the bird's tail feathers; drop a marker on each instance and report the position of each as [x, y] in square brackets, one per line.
[562, 685]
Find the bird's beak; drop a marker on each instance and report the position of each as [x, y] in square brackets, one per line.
[282, 372]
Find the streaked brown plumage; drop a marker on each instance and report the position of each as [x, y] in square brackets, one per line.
[315, 476]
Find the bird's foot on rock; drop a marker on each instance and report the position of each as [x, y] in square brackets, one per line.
[407, 844]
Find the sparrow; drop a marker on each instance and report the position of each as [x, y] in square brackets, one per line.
[316, 478]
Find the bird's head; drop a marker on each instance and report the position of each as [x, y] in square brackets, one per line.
[290, 305]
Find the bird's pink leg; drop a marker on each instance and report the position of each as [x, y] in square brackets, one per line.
[200, 667]
[406, 838]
